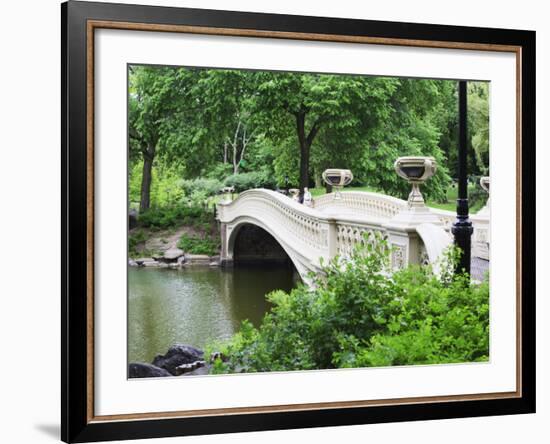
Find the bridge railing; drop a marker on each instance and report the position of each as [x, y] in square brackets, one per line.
[350, 232]
[380, 205]
[311, 230]
[374, 204]
[481, 235]
[326, 230]
[300, 227]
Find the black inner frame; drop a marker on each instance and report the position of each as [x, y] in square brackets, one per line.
[74, 423]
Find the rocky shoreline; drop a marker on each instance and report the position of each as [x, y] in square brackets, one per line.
[175, 258]
[179, 360]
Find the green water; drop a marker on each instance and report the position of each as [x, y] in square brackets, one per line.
[195, 305]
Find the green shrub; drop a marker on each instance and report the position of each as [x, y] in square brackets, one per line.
[220, 171]
[255, 179]
[134, 239]
[357, 314]
[167, 217]
[165, 189]
[199, 190]
[199, 245]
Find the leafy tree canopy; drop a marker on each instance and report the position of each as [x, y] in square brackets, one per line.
[217, 123]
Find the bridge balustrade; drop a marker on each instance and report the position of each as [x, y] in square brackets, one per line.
[335, 226]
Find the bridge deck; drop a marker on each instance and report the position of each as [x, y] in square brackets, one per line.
[478, 267]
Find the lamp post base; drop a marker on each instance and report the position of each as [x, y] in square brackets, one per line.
[462, 230]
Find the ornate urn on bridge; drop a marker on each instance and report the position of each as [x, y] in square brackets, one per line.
[338, 179]
[416, 170]
[227, 194]
[415, 233]
[294, 194]
[485, 183]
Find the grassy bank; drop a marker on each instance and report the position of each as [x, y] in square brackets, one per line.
[190, 228]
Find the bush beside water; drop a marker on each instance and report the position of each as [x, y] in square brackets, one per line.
[359, 315]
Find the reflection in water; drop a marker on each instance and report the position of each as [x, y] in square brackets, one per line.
[195, 305]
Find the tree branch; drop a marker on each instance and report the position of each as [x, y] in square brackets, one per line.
[314, 130]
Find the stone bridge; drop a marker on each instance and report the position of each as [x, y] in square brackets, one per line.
[264, 224]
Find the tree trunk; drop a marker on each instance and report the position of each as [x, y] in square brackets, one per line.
[305, 148]
[146, 180]
[235, 148]
[304, 169]
[235, 163]
[304, 153]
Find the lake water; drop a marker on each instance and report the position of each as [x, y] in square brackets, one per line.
[196, 305]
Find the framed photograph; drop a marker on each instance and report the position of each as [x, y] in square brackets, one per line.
[276, 221]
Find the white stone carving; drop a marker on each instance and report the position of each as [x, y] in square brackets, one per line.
[335, 227]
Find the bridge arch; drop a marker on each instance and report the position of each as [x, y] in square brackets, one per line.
[237, 248]
[252, 244]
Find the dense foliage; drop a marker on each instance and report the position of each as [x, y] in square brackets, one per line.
[199, 245]
[254, 179]
[168, 217]
[280, 129]
[135, 240]
[357, 314]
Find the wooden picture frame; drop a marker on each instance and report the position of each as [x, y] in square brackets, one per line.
[79, 22]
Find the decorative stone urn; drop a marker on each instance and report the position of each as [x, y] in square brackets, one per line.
[338, 179]
[294, 194]
[485, 183]
[227, 193]
[409, 230]
[416, 170]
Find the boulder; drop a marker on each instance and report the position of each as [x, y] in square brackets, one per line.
[181, 260]
[177, 355]
[172, 254]
[142, 370]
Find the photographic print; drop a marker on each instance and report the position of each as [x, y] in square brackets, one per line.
[294, 221]
[275, 221]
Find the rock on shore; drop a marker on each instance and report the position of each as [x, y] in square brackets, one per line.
[179, 360]
[173, 259]
[176, 356]
[143, 370]
[173, 254]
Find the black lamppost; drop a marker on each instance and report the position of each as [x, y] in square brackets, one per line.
[462, 228]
